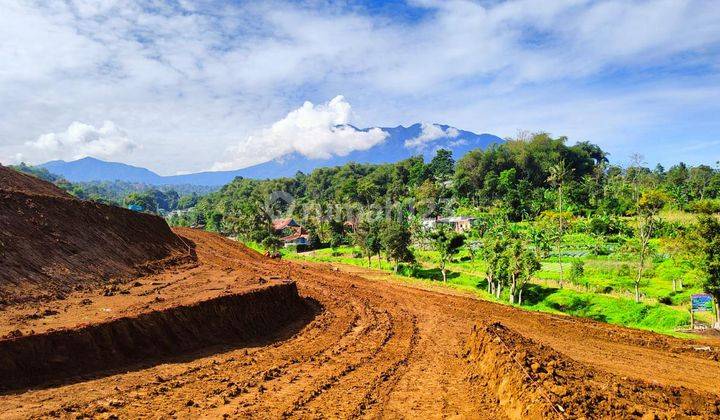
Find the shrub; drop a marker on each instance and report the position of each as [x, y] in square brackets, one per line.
[577, 271]
[667, 228]
[608, 225]
[704, 206]
[624, 271]
[599, 249]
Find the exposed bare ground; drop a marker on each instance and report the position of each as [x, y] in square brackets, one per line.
[382, 349]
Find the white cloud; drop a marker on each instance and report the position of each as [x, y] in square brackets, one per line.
[314, 131]
[190, 78]
[430, 133]
[11, 159]
[81, 140]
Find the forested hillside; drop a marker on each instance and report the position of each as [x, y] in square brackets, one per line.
[555, 226]
[518, 179]
[153, 199]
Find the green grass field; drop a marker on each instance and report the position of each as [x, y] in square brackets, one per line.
[604, 293]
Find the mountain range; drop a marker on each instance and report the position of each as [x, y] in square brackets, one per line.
[401, 143]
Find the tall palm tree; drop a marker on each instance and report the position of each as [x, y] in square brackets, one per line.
[559, 174]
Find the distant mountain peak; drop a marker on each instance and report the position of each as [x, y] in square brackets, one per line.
[401, 143]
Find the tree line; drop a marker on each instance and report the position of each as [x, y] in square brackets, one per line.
[154, 199]
[525, 193]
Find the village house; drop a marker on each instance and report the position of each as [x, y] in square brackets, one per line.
[459, 224]
[291, 232]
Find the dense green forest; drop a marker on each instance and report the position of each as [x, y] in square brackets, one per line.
[555, 226]
[519, 180]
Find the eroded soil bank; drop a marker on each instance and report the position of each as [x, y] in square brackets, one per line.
[380, 349]
[533, 381]
[68, 354]
[52, 244]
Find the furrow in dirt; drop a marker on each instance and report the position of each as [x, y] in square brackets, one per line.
[382, 349]
[62, 355]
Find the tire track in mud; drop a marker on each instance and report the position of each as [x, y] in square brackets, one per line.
[388, 379]
[313, 366]
[348, 364]
[373, 349]
[254, 374]
[362, 375]
[330, 369]
[243, 372]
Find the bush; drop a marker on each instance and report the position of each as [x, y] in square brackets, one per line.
[624, 271]
[704, 206]
[666, 228]
[577, 271]
[599, 249]
[568, 303]
[412, 269]
[608, 225]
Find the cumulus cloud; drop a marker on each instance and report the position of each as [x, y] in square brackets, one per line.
[314, 131]
[430, 133]
[189, 78]
[81, 140]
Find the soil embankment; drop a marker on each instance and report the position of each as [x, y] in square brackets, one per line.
[382, 349]
[14, 181]
[534, 381]
[52, 244]
[376, 349]
[65, 354]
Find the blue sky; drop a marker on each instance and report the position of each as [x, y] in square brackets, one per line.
[180, 86]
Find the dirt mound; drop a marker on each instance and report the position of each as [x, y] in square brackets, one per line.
[534, 381]
[65, 354]
[11, 180]
[378, 349]
[51, 243]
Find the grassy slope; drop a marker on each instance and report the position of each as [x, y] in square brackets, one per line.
[542, 296]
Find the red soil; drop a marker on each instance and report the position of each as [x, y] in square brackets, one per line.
[64, 354]
[11, 180]
[52, 243]
[189, 341]
[378, 349]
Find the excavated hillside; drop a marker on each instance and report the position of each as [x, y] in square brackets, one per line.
[354, 347]
[52, 243]
[233, 334]
[14, 181]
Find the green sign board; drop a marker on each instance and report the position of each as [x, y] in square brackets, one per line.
[702, 303]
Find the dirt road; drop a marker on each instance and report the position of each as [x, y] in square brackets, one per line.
[382, 349]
